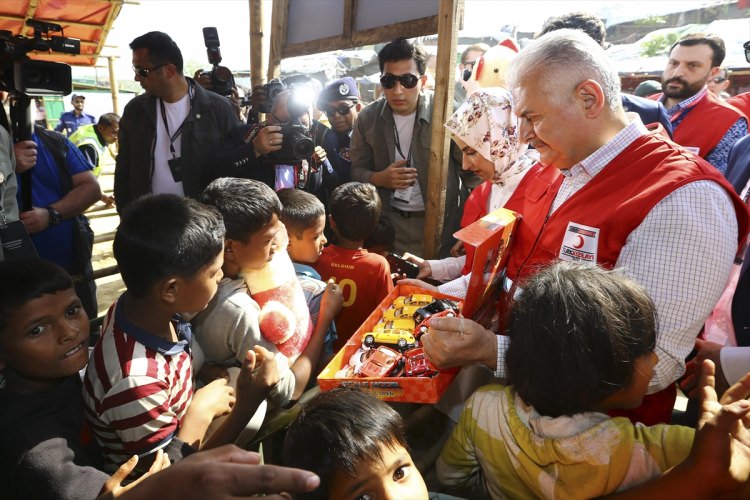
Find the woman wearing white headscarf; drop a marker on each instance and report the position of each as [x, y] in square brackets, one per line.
[486, 130]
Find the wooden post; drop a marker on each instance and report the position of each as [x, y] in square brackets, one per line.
[450, 16]
[279, 16]
[113, 87]
[257, 62]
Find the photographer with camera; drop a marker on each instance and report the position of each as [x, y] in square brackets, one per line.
[280, 152]
[169, 134]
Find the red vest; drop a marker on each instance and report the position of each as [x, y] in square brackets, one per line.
[705, 124]
[741, 102]
[615, 201]
[475, 208]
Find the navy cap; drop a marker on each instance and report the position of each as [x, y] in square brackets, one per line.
[343, 88]
[76, 96]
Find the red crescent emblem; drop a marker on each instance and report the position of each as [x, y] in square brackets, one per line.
[579, 242]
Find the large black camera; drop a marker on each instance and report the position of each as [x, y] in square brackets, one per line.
[25, 78]
[297, 144]
[222, 80]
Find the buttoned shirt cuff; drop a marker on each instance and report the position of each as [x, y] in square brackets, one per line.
[503, 341]
[457, 287]
[735, 362]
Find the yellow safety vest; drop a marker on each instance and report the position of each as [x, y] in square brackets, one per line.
[86, 135]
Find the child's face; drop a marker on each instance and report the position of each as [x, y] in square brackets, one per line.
[258, 250]
[46, 339]
[308, 248]
[632, 395]
[394, 478]
[201, 288]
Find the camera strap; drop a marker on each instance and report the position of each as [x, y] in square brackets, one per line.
[398, 146]
[178, 132]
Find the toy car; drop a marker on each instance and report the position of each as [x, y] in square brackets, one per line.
[383, 361]
[400, 312]
[414, 299]
[402, 338]
[416, 364]
[397, 324]
[422, 328]
[435, 307]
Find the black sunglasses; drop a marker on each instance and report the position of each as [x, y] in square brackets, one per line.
[143, 72]
[468, 67]
[746, 46]
[408, 81]
[341, 109]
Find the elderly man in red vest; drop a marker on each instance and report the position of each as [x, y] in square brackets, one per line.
[609, 192]
[702, 122]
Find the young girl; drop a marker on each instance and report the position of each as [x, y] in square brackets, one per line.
[582, 344]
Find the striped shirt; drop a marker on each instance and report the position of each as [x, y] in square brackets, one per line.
[137, 387]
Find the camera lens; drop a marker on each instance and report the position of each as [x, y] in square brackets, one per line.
[302, 146]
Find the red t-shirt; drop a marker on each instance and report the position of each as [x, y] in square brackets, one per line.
[364, 278]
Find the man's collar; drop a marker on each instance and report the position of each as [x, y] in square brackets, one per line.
[687, 103]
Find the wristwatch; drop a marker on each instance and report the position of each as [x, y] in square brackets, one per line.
[54, 216]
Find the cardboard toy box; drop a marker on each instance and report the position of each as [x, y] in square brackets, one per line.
[402, 389]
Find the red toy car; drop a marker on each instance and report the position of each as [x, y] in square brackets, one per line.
[416, 364]
[381, 363]
[422, 328]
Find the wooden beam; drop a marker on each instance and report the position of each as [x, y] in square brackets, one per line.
[450, 14]
[415, 27]
[279, 17]
[256, 42]
[113, 88]
[350, 17]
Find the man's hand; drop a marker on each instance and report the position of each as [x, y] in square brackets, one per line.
[458, 249]
[396, 176]
[25, 152]
[108, 200]
[459, 342]
[203, 79]
[690, 381]
[319, 155]
[424, 267]
[113, 486]
[35, 220]
[419, 283]
[223, 473]
[268, 140]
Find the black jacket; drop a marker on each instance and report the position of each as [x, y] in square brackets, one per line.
[211, 117]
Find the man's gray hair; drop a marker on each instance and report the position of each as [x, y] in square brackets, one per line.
[567, 58]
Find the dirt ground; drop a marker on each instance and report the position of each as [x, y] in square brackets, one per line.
[105, 222]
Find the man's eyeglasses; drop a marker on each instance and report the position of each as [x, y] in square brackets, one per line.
[341, 109]
[144, 72]
[408, 81]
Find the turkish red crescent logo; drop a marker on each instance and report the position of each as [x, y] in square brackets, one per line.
[579, 242]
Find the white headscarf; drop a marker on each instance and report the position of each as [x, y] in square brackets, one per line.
[486, 123]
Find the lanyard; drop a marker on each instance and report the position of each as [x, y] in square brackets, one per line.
[398, 146]
[177, 133]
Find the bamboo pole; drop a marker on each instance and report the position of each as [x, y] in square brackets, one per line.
[257, 62]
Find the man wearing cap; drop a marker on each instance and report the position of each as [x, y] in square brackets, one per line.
[71, 120]
[391, 149]
[693, 60]
[92, 141]
[340, 102]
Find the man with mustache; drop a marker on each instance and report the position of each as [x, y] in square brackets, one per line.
[702, 123]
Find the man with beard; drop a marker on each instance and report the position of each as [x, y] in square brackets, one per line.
[693, 60]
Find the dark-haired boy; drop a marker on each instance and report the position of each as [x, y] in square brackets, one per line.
[351, 459]
[365, 278]
[304, 218]
[46, 451]
[138, 386]
[231, 322]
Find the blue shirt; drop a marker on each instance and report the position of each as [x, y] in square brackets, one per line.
[70, 122]
[56, 242]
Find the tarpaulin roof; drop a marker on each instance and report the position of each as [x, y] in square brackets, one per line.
[87, 20]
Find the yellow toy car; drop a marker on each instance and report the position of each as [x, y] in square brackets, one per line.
[406, 311]
[420, 299]
[398, 324]
[402, 338]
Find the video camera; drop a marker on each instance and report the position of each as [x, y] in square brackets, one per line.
[25, 78]
[297, 143]
[222, 80]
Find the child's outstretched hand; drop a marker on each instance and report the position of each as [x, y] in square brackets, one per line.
[113, 486]
[259, 374]
[213, 400]
[332, 302]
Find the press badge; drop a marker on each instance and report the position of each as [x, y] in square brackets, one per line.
[580, 243]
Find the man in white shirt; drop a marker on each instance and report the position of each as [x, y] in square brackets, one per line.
[168, 134]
